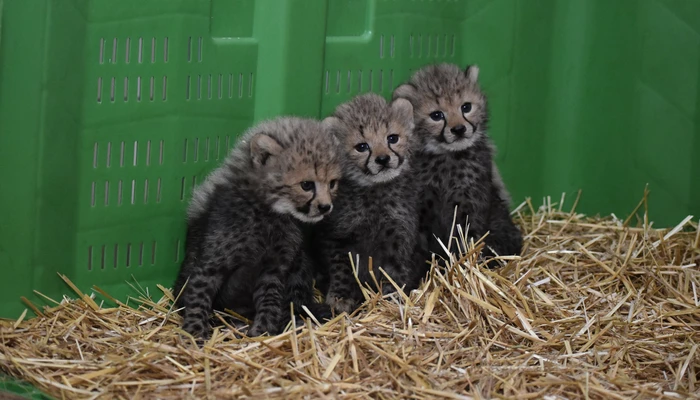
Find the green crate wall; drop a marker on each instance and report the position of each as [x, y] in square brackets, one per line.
[20, 389]
[111, 111]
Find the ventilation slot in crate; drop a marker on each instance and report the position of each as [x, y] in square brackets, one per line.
[115, 256]
[217, 86]
[102, 153]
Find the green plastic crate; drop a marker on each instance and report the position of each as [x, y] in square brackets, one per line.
[111, 111]
[21, 389]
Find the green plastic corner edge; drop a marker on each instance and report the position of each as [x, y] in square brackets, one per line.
[20, 388]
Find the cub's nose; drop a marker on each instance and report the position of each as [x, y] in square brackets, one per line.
[324, 208]
[382, 160]
[459, 130]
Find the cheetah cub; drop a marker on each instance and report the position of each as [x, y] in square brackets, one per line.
[246, 222]
[376, 207]
[454, 160]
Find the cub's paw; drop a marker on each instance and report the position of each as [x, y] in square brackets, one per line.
[387, 288]
[322, 312]
[200, 330]
[487, 257]
[260, 327]
[493, 264]
[341, 305]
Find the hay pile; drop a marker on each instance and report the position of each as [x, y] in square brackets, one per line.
[594, 309]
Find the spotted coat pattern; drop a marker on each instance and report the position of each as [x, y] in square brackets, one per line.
[454, 162]
[376, 206]
[246, 227]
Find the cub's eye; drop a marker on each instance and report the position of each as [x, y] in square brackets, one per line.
[333, 183]
[466, 107]
[437, 116]
[392, 139]
[307, 186]
[362, 147]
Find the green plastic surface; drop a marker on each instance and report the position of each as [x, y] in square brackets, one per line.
[110, 112]
[21, 389]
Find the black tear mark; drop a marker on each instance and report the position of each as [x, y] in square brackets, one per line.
[470, 123]
[367, 160]
[307, 207]
[397, 155]
[442, 133]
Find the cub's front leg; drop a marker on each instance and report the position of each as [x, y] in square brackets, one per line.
[398, 249]
[299, 289]
[204, 277]
[343, 293]
[504, 237]
[472, 209]
[269, 294]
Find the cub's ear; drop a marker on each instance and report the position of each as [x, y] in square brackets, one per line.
[472, 72]
[331, 125]
[262, 147]
[403, 110]
[405, 91]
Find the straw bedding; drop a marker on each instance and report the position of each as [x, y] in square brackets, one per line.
[595, 308]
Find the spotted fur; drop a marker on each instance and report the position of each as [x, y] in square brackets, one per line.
[454, 160]
[246, 226]
[376, 207]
